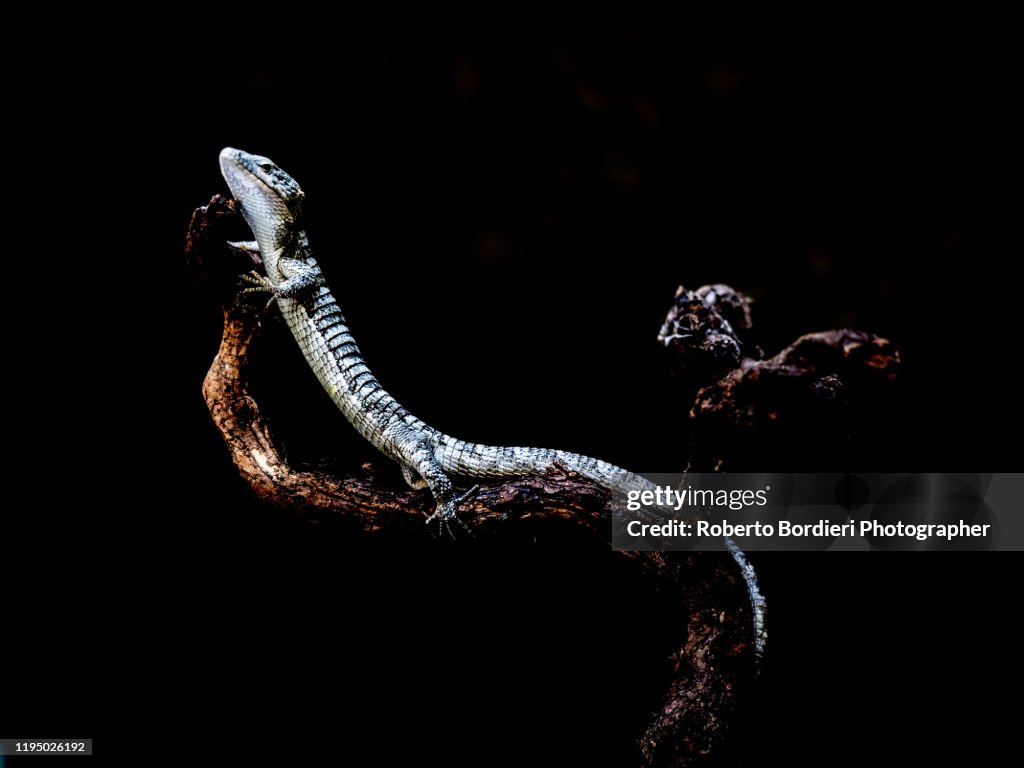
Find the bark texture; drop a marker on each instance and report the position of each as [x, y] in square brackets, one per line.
[713, 660]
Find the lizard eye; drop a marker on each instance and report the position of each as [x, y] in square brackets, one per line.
[266, 167]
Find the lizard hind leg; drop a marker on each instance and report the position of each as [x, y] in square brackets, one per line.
[446, 511]
[424, 470]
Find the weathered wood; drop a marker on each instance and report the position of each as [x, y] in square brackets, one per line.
[798, 410]
[714, 657]
[361, 501]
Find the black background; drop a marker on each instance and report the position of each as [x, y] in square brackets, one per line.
[504, 206]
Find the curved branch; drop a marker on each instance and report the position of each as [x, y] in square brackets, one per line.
[713, 656]
[363, 502]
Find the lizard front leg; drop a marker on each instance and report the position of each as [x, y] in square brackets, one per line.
[301, 279]
[250, 247]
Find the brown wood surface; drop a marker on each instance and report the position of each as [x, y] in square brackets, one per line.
[713, 663]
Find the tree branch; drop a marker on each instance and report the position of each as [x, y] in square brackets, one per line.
[362, 502]
[713, 660]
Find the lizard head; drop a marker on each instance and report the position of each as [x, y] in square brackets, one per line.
[270, 199]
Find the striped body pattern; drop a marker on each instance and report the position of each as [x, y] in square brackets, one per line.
[270, 202]
[323, 335]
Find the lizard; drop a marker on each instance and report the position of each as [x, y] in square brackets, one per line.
[270, 202]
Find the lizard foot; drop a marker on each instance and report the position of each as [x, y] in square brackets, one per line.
[446, 514]
[259, 284]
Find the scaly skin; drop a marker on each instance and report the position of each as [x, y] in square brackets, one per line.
[271, 201]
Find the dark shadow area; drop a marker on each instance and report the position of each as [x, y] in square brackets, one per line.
[477, 186]
[474, 189]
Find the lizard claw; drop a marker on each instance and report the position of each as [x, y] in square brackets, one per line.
[446, 514]
[259, 284]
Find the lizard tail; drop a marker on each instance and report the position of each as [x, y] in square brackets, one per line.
[493, 462]
[758, 606]
[473, 460]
